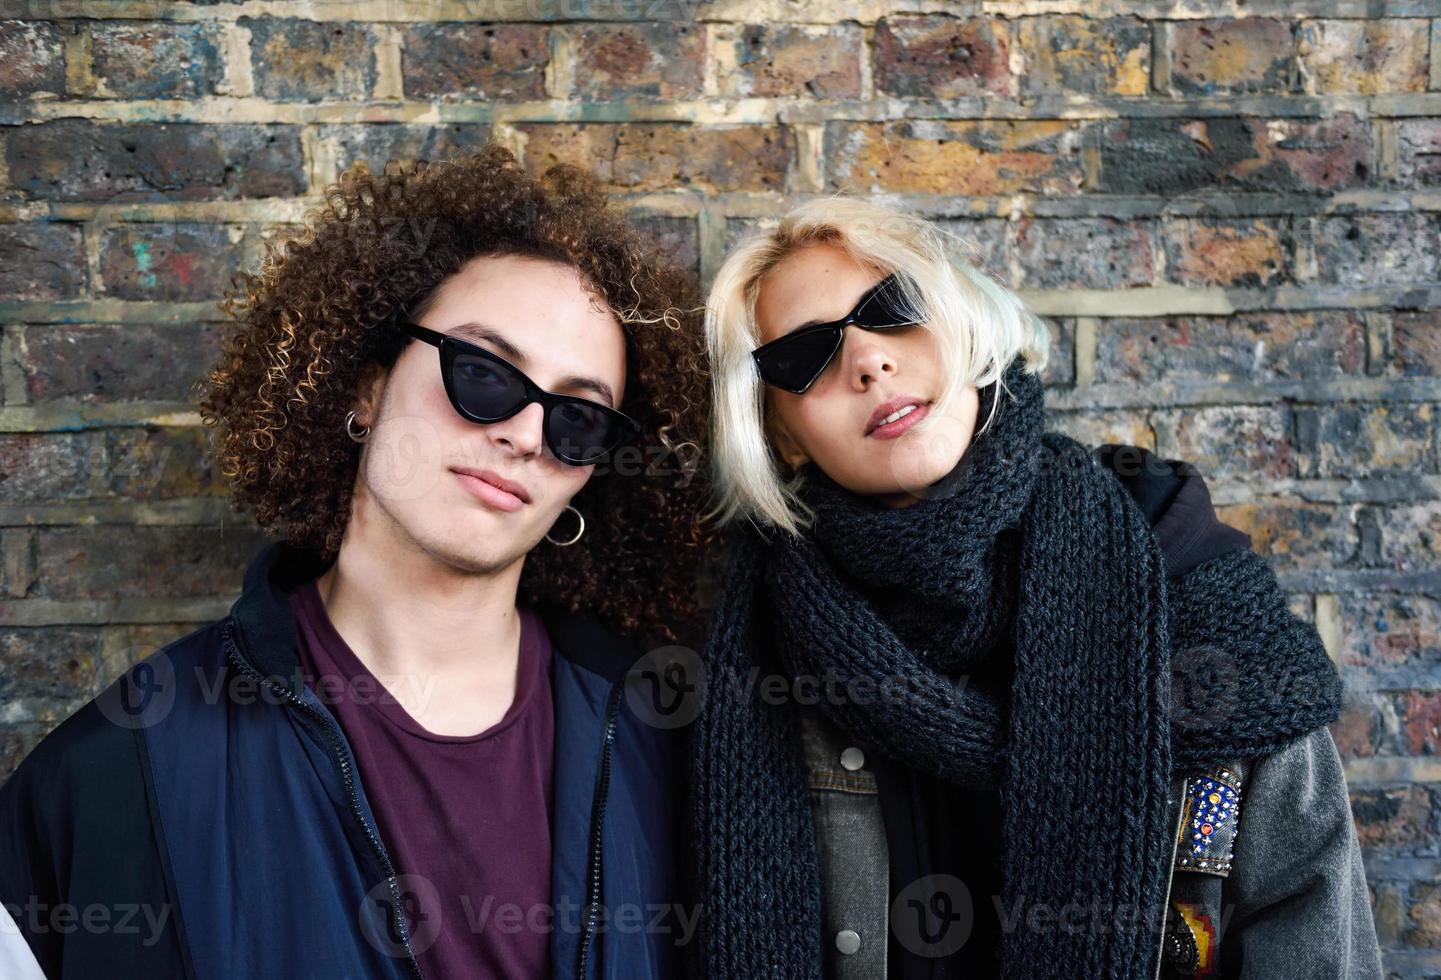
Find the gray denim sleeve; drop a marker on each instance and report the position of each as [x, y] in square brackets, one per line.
[1297, 892]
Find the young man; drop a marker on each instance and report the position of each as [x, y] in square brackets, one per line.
[459, 401]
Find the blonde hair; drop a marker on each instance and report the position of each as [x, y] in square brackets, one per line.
[980, 326]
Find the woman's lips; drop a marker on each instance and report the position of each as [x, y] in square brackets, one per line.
[900, 426]
[489, 493]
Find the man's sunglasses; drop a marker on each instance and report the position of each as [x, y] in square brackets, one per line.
[795, 361]
[485, 387]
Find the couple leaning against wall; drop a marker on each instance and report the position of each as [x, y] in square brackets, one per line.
[971, 698]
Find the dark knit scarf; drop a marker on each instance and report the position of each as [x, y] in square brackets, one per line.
[1015, 630]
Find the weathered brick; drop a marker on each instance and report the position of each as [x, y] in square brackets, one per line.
[1359, 732]
[1172, 156]
[111, 561]
[1236, 252]
[475, 61]
[1295, 534]
[1082, 55]
[1368, 249]
[115, 362]
[1423, 928]
[154, 463]
[133, 60]
[302, 60]
[982, 243]
[16, 742]
[40, 467]
[1393, 816]
[639, 61]
[73, 160]
[1416, 344]
[943, 57]
[1232, 441]
[589, 145]
[135, 463]
[178, 262]
[665, 156]
[41, 261]
[1389, 630]
[1388, 908]
[1347, 440]
[16, 574]
[674, 237]
[1093, 427]
[1085, 253]
[127, 644]
[1243, 347]
[1365, 56]
[964, 157]
[789, 60]
[46, 673]
[1410, 536]
[1418, 152]
[1061, 365]
[32, 59]
[376, 143]
[1421, 718]
[1251, 54]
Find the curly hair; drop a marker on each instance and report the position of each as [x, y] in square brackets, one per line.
[318, 314]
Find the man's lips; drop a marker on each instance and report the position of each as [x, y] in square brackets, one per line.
[494, 489]
[877, 425]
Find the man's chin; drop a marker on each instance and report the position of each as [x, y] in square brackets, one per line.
[474, 550]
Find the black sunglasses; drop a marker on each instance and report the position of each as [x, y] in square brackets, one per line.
[795, 361]
[485, 387]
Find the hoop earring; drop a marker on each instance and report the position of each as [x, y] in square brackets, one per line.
[360, 436]
[567, 544]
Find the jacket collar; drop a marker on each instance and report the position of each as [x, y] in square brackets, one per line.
[266, 632]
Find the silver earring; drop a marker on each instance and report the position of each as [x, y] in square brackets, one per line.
[355, 436]
[566, 544]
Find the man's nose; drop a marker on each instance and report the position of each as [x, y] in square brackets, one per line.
[521, 433]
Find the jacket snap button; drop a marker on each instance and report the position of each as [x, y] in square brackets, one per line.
[852, 759]
[848, 941]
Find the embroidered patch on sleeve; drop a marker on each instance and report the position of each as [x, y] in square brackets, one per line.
[1208, 826]
[1203, 933]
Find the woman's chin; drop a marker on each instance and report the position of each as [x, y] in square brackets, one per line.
[926, 456]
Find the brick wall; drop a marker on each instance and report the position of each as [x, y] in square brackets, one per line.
[1226, 209]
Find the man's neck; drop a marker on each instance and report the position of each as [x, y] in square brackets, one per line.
[445, 643]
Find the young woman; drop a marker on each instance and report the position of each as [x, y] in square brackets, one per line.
[458, 400]
[967, 712]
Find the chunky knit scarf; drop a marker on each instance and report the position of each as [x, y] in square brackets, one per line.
[1015, 630]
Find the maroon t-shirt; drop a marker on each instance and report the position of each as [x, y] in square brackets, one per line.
[469, 815]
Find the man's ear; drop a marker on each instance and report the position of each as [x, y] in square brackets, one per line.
[368, 389]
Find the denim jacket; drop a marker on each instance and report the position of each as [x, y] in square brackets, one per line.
[1280, 891]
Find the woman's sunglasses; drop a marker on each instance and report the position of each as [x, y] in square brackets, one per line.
[795, 361]
[485, 387]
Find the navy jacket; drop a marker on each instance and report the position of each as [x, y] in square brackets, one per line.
[205, 810]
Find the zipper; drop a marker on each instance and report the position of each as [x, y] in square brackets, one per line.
[1170, 873]
[342, 754]
[597, 819]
